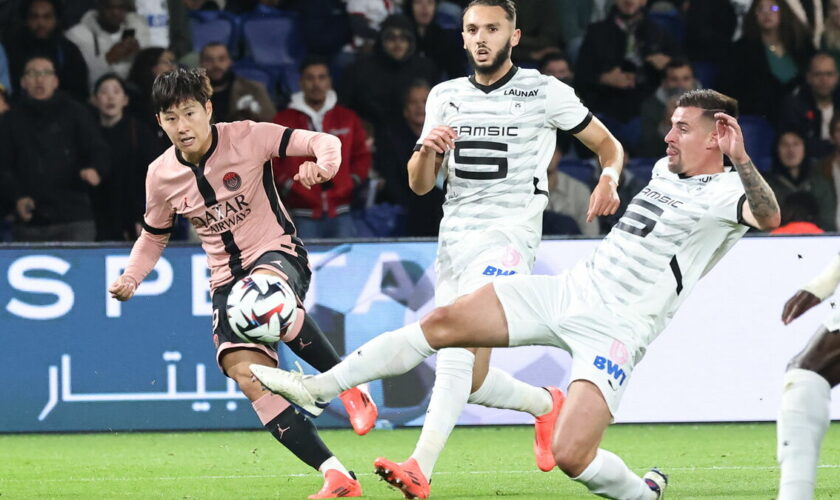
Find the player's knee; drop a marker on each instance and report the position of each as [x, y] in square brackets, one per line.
[570, 460]
[437, 326]
[241, 374]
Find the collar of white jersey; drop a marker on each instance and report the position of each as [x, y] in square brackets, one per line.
[726, 169]
[495, 85]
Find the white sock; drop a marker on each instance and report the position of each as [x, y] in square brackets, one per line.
[803, 421]
[609, 477]
[453, 377]
[392, 353]
[333, 463]
[500, 390]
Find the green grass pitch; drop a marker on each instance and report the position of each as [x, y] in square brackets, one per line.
[727, 461]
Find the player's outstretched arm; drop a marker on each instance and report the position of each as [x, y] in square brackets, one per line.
[761, 209]
[424, 164]
[818, 289]
[144, 255]
[326, 149]
[604, 199]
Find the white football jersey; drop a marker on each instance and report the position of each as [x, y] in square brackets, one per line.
[672, 233]
[497, 171]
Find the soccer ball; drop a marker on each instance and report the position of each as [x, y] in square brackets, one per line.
[260, 308]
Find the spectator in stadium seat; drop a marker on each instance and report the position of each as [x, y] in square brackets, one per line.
[366, 19]
[148, 64]
[322, 211]
[168, 23]
[119, 200]
[40, 34]
[52, 155]
[234, 98]
[768, 61]
[792, 173]
[440, 45]
[109, 38]
[395, 145]
[373, 85]
[811, 107]
[656, 114]
[557, 65]
[621, 60]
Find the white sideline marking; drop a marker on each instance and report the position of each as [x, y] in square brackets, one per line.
[365, 474]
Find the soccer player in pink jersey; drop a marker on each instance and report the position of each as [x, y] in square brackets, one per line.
[219, 177]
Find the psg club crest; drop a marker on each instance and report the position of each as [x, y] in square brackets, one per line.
[232, 181]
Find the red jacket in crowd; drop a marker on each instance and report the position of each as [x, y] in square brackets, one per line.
[331, 198]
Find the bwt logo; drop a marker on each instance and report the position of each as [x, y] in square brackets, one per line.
[613, 369]
[495, 271]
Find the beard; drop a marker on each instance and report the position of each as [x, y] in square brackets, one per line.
[496, 63]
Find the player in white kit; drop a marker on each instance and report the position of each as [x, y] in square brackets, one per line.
[494, 134]
[804, 416]
[604, 311]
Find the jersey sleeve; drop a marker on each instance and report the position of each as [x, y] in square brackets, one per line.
[268, 140]
[159, 214]
[563, 108]
[729, 199]
[434, 117]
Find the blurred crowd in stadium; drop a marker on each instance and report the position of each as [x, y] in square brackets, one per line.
[77, 129]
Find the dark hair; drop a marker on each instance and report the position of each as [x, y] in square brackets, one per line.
[711, 101]
[550, 58]
[507, 5]
[419, 83]
[209, 45]
[313, 60]
[56, 5]
[800, 206]
[792, 32]
[179, 85]
[823, 54]
[40, 55]
[109, 76]
[141, 73]
[676, 62]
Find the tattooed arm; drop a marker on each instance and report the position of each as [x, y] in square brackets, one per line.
[762, 209]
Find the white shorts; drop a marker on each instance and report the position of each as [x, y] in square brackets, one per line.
[556, 311]
[495, 258]
[832, 323]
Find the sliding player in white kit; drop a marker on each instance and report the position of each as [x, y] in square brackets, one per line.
[494, 133]
[605, 310]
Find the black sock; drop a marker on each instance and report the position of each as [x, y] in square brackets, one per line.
[313, 347]
[299, 435]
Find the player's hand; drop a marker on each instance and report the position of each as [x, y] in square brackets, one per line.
[90, 175]
[123, 288]
[604, 199]
[730, 138]
[798, 304]
[25, 207]
[310, 173]
[440, 140]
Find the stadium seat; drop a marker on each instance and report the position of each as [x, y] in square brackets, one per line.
[448, 16]
[759, 139]
[256, 73]
[209, 26]
[273, 38]
[579, 169]
[628, 133]
[641, 168]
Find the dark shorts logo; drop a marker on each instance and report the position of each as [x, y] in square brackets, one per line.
[232, 181]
